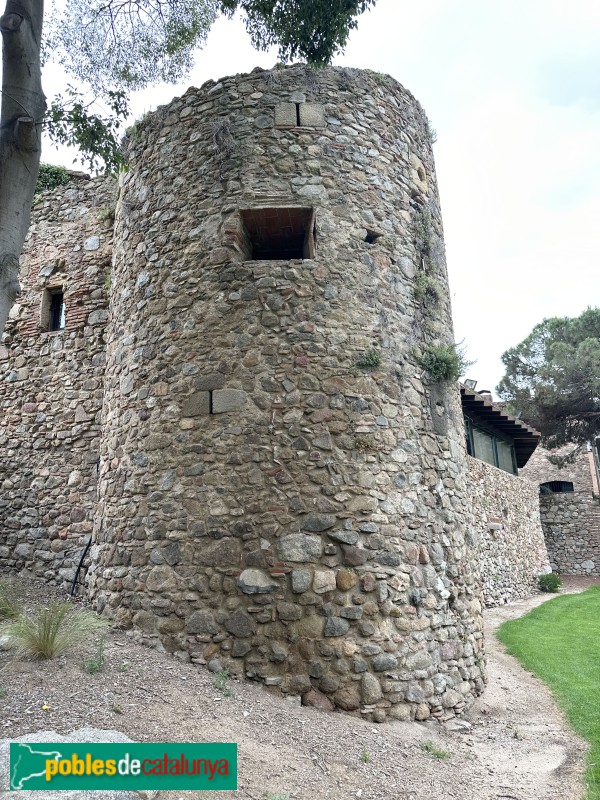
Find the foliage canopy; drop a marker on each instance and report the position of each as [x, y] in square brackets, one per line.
[552, 379]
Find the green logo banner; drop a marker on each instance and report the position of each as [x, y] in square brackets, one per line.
[123, 765]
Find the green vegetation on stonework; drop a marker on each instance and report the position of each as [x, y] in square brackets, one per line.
[51, 176]
[444, 363]
[559, 642]
[369, 360]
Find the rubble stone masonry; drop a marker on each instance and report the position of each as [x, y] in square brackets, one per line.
[570, 520]
[51, 384]
[280, 491]
[506, 513]
[571, 524]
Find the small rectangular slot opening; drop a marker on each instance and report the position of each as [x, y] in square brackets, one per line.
[52, 312]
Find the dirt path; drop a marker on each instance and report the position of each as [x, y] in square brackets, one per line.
[513, 745]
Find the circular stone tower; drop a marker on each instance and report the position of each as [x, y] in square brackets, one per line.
[282, 487]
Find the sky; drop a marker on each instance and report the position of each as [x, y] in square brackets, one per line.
[512, 88]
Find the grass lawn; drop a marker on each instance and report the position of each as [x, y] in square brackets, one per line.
[560, 642]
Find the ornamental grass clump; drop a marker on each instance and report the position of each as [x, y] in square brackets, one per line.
[10, 603]
[50, 631]
[549, 582]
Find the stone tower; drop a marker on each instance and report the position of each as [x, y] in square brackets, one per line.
[282, 492]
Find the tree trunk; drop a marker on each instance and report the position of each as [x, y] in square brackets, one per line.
[23, 107]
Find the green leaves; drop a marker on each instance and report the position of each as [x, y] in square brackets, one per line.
[553, 378]
[71, 120]
[50, 176]
[130, 44]
[444, 363]
[314, 30]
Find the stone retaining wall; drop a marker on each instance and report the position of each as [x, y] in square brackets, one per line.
[512, 548]
[571, 525]
[51, 385]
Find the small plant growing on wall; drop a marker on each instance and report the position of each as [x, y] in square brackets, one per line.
[444, 363]
[431, 132]
[223, 138]
[425, 240]
[427, 290]
[370, 360]
[549, 582]
[107, 213]
[365, 443]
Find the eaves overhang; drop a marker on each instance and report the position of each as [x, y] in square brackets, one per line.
[524, 437]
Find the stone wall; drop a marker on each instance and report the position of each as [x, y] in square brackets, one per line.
[507, 517]
[570, 520]
[540, 470]
[571, 523]
[281, 493]
[51, 386]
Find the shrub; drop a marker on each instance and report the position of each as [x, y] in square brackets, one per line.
[549, 582]
[51, 176]
[10, 604]
[49, 632]
[444, 362]
[427, 291]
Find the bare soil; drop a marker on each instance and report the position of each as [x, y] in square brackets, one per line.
[513, 744]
